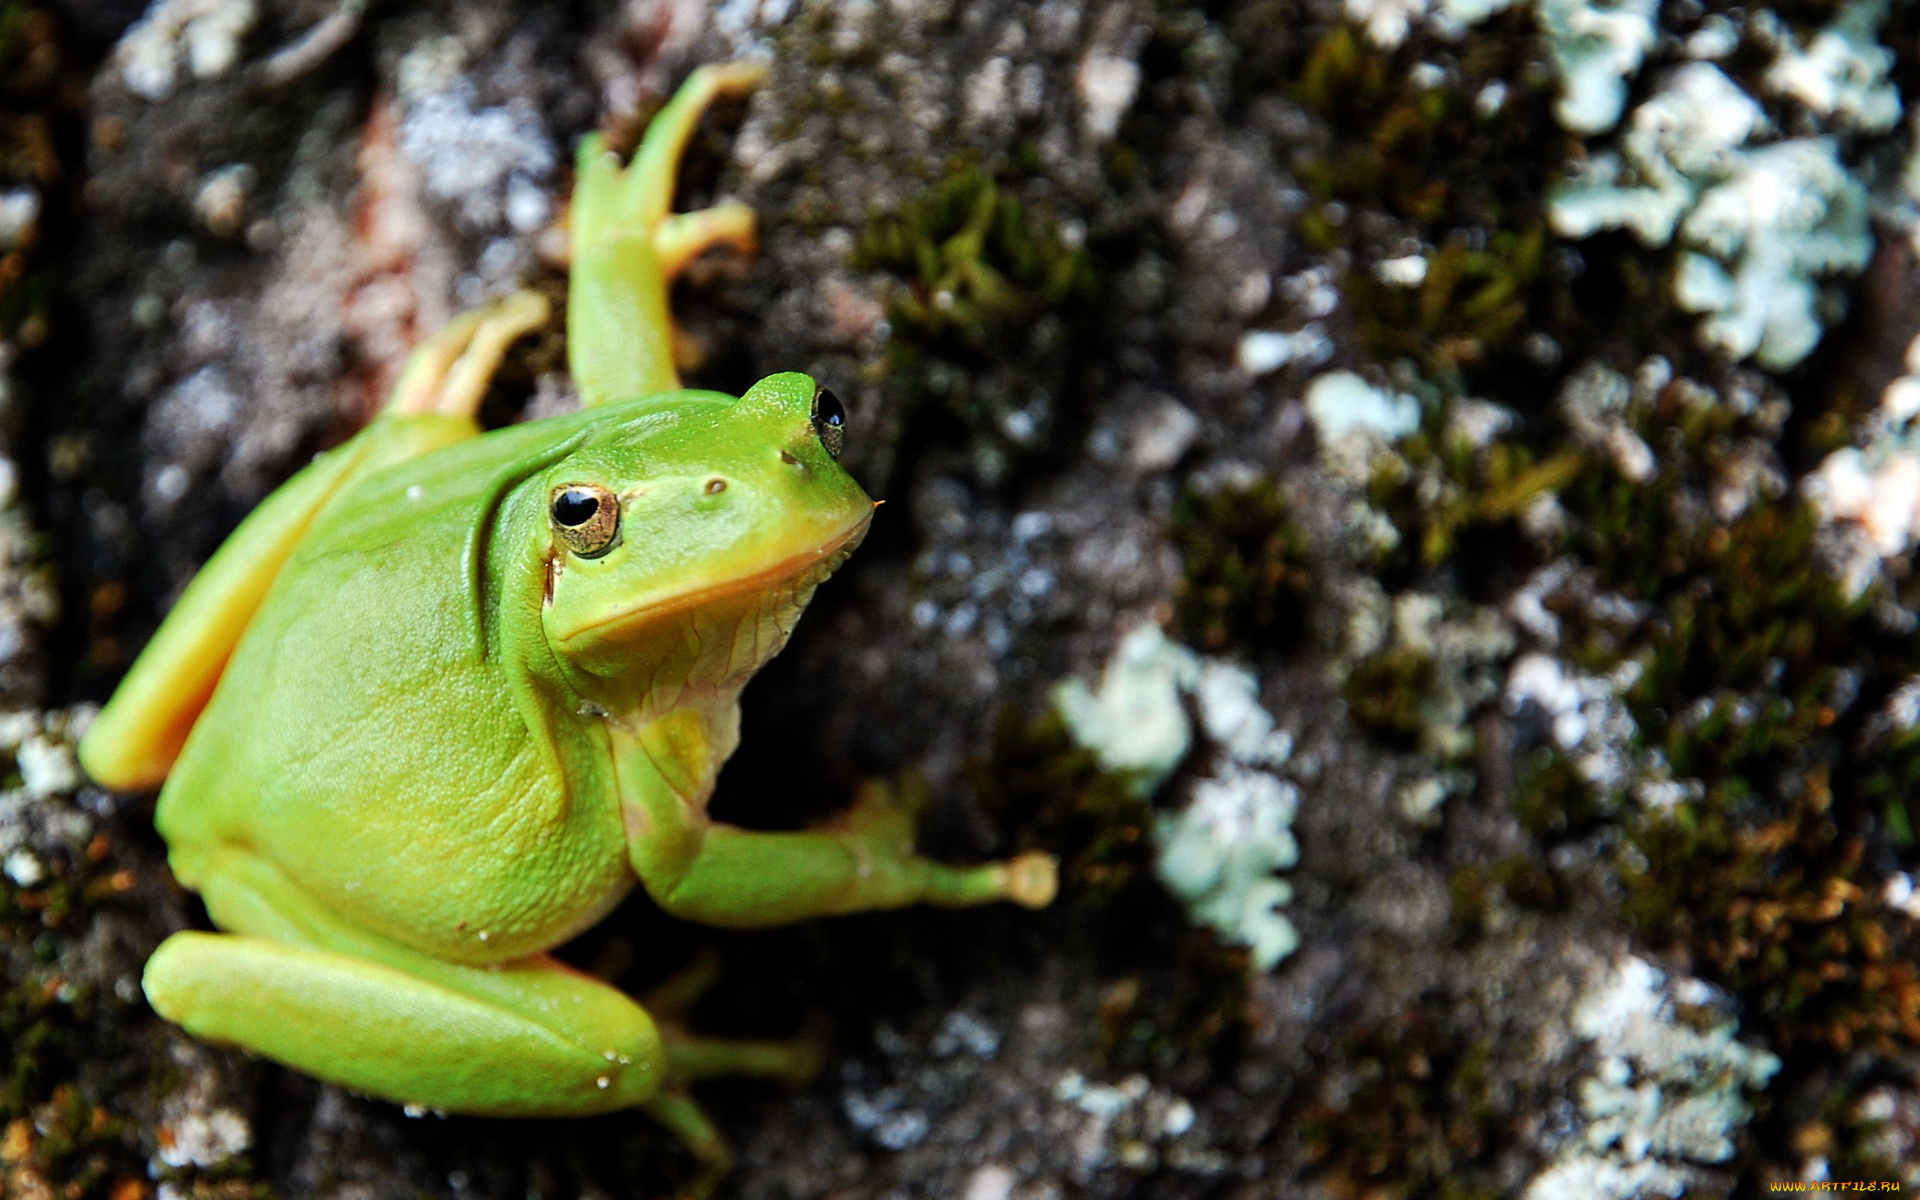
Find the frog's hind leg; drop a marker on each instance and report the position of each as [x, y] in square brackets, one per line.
[305, 987]
[139, 734]
[692, 1057]
[628, 246]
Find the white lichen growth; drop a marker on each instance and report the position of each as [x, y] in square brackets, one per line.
[1598, 46]
[1595, 402]
[1668, 1096]
[1347, 411]
[1788, 215]
[1220, 853]
[1686, 134]
[1842, 72]
[19, 217]
[201, 36]
[1387, 22]
[204, 1139]
[1134, 1126]
[1588, 720]
[1264, 351]
[488, 161]
[1221, 850]
[1869, 495]
[1135, 722]
[1761, 225]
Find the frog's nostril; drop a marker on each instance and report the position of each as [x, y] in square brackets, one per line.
[787, 458]
[715, 486]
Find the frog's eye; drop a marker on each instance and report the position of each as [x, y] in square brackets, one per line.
[829, 421]
[586, 518]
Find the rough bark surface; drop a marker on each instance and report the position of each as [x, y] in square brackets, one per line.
[1026, 244]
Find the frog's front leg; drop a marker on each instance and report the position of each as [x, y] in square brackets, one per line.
[719, 874]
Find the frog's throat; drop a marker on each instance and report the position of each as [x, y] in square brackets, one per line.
[820, 562]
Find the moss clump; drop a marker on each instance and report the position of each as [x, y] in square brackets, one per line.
[1891, 783]
[1751, 659]
[1167, 1009]
[1551, 798]
[1444, 494]
[1453, 172]
[56, 1131]
[67, 1148]
[1785, 915]
[989, 295]
[1387, 695]
[1470, 305]
[1244, 580]
[1034, 776]
[1404, 1112]
[976, 265]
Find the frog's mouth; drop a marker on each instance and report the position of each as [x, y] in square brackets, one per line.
[796, 575]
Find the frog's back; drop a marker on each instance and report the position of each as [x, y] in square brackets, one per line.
[372, 720]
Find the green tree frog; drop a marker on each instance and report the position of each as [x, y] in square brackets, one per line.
[447, 695]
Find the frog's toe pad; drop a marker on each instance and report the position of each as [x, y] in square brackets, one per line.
[1033, 879]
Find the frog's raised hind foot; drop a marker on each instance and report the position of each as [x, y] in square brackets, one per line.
[449, 372]
[628, 245]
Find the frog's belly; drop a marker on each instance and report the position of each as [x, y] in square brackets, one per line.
[479, 879]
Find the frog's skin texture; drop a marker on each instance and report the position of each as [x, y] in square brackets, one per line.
[431, 711]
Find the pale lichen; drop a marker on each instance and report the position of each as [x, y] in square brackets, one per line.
[1597, 47]
[1221, 850]
[1868, 495]
[200, 36]
[1761, 225]
[1669, 1095]
[1841, 73]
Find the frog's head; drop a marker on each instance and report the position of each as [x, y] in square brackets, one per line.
[687, 539]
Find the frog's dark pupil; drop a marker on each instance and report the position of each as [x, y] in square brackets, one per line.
[829, 421]
[826, 409]
[575, 507]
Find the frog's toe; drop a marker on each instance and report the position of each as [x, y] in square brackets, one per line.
[1033, 879]
[683, 237]
[881, 807]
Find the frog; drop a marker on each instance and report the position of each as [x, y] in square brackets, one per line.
[448, 696]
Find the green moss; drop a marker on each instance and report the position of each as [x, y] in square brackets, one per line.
[1891, 783]
[1441, 491]
[59, 1103]
[1036, 778]
[1469, 307]
[1404, 1112]
[1762, 878]
[1551, 798]
[989, 294]
[1464, 180]
[1387, 695]
[975, 263]
[1244, 581]
[1785, 914]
